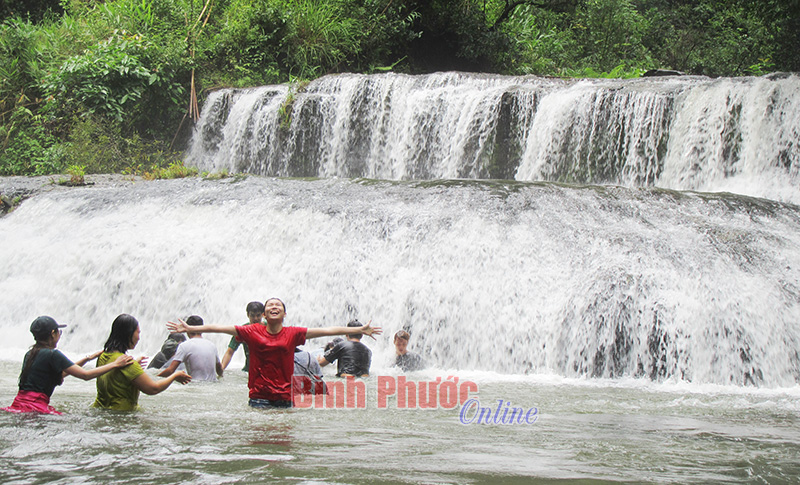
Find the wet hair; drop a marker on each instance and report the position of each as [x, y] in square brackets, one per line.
[194, 320]
[257, 307]
[268, 299]
[403, 335]
[354, 323]
[42, 342]
[333, 342]
[177, 337]
[122, 330]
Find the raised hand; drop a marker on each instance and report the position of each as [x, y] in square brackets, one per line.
[179, 327]
[368, 329]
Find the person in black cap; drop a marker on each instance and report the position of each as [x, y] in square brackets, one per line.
[44, 368]
[353, 356]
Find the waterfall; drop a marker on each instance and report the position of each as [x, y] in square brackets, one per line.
[738, 135]
[509, 277]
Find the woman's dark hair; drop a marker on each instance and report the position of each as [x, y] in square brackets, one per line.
[30, 357]
[121, 333]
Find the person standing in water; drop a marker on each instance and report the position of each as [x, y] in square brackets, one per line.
[353, 356]
[255, 316]
[199, 355]
[44, 368]
[272, 351]
[408, 361]
[168, 348]
[120, 389]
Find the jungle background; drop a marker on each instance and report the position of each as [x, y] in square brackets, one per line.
[89, 86]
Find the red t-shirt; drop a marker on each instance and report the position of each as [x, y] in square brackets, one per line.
[271, 360]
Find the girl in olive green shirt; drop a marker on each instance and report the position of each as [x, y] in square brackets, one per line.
[120, 388]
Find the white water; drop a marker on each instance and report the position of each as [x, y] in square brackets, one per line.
[689, 133]
[510, 278]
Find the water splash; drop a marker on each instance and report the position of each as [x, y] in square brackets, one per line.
[687, 133]
[508, 277]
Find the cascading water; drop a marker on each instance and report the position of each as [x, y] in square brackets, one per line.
[686, 133]
[511, 277]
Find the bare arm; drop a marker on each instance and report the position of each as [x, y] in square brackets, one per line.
[219, 368]
[367, 329]
[81, 373]
[173, 366]
[148, 386]
[82, 362]
[322, 361]
[182, 327]
[226, 358]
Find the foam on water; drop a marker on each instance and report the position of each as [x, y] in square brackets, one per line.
[503, 277]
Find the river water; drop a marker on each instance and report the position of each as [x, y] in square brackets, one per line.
[587, 431]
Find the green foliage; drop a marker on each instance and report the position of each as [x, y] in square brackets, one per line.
[112, 79]
[610, 32]
[285, 111]
[27, 146]
[247, 45]
[174, 170]
[32, 10]
[77, 174]
[718, 37]
[100, 147]
[541, 44]
[21, 57]
[458, 35]
[216, 175]
[622, 71]
[321, 37]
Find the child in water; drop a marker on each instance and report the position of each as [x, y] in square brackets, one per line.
[44, 368]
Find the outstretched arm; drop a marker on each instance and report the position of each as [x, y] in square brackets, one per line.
[181, 326]
[171, 368]
[367, 329]
[81, 373]
[148, 386]
[82, 362]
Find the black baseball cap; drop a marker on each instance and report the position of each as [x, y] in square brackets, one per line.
[42, 326]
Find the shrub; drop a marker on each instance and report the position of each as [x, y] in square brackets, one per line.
[116, 78]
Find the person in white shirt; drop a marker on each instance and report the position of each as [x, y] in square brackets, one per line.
[197, 354]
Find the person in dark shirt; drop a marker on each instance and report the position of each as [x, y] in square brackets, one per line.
[353, 356]
[408, 361]
[168, 349]
[44, 368]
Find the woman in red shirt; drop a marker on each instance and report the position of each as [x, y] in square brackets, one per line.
[272, 351]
